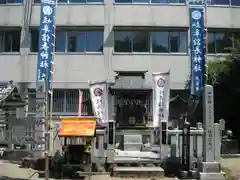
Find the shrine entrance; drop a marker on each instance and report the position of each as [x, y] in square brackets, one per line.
[132, 108]
[132, 100]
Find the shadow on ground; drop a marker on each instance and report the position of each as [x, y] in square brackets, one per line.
[74, 176]
[9, 178]
[14, 156]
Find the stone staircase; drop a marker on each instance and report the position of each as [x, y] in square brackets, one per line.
[134, 162]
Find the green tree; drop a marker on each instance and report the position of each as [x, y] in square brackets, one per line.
[224, 75]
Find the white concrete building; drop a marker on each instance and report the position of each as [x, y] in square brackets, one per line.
[96, 38]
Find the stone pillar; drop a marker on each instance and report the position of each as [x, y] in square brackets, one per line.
[174, 146]
[199, 143]
[180, 145]
[191, 146]
[111, 141]
[217, 142]
[208, 123]
[209, 169]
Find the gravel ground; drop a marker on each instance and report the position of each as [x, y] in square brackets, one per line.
[9, 171]
[231, 166]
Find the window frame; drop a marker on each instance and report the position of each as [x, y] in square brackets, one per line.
[66, 30]
[219, 5]
[72, 3]
[179, 3]
[3, 39]
[234, 5]
[132, 32]
[151, 42]
[85, 30]
[64, 102]
[179, 36]
[150, 2]
[215, 31]
[150, 38]
[11, 3]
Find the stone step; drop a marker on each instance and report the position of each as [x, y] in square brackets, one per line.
[138, 172]
[212, 176]
[135, 160]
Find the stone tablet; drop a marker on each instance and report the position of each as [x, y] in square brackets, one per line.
[208, 123]
[132, 142]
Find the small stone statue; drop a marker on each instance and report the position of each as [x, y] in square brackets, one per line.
[147, 143]
[117, 145]
[227, 135]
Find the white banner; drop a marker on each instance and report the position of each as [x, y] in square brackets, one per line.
[99, 99]
[161, 95]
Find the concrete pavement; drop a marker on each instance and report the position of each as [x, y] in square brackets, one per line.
[9, 171]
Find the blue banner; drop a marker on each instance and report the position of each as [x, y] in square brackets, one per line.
[46, 41]
[197, 47]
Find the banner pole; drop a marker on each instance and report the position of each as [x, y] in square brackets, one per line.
[206, 44]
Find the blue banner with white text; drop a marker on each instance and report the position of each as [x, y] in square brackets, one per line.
[197, 47]
[46, 41]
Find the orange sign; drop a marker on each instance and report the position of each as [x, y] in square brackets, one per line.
[78, 126]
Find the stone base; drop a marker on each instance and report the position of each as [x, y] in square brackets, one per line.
[209, 167]
[98, 160]
[212, 176]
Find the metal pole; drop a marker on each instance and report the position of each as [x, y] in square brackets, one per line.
[51, 86]
[206, 44]
[47, 139]
[48, 111]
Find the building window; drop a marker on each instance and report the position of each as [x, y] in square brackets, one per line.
[178, 42]
[160, 42]
[235, 37]
[85, 41]
[60, 41]
[74, 1]
[10, 41]
[67, 101]
[218, 42]
[168, 1]
[220, 2]
[152, 1]
[140, 41]
[225, 2]
[146, 41]
[183, 2]
[211, 2]
[34, 40]
[131, 41]
[169, 42]
[11, 1]
[235, 2]
[122, 42]
[94, 41]
[73, 41]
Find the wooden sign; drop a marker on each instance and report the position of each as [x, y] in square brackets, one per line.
[77, 126]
